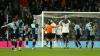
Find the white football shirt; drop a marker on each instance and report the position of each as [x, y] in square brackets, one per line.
[54, 29]
[59, 30]
[65, 27]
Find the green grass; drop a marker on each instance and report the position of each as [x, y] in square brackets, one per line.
[51, 52]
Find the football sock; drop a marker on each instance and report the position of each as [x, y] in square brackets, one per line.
[86, 44]
[50, 44]
[47, 42]
[92, 44]
[34, 44]
[26, 42]
[76, 44]
[79, 43]
[15, 44]
[20, 43]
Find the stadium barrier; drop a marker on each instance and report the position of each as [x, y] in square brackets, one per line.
[3, 44]
[71, 44]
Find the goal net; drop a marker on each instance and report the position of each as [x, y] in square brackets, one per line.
[80, 17]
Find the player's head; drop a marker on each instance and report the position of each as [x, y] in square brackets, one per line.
[91, 23]
[26, 25]
[65, 21]
[13, 19]
[16, 16]
[80, 24]
[51, 21]
[74, 23]
[20, 20]
[34, 21]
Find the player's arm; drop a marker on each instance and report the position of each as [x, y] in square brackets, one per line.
[69, 21]
[53, 26]
[75, 28]
[45, 28]
[5, 26]
[61, 22]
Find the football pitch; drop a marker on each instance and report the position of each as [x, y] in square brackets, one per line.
[50, 52]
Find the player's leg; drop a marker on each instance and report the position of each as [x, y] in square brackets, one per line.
[15, 43]
[75, 40]
[63, 36]
[50, 43]
[87, 41]
[11, 37]
[26, 42]
[51, 37]
[46, 39]
[20, 41]
[60, 41]
[58, 38]
[92, 43]
[34, 40]
[64, 39]
[12, 41]
[15, 39]
[88, 37]
[78, 40]
[76, 43]
[79, 43]
[67, 40]
[55, 39]
[26, 39]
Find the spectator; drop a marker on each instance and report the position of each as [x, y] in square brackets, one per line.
[23, 2]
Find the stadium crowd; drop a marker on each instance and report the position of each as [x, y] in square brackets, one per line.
[51, 5]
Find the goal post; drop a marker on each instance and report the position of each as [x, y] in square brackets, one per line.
[73, 16]
[42, 28]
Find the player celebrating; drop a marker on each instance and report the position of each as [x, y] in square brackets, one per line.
[65, 31]
[92, 34]
[12, 30]
[34, 28]
[26, 33]
[19, 32]
[92, 29]
[87, 27]
[59, 33]
[78, 33]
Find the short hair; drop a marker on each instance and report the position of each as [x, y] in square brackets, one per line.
[13, 19]
[49, 22]
[65, 21]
